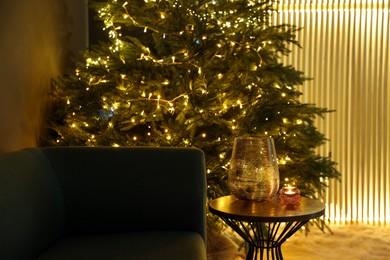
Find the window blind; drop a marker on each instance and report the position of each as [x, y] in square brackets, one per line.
[345, 49]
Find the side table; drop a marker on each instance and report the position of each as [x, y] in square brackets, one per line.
[266, 225]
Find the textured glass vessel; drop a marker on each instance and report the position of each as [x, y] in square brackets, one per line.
[253, 172]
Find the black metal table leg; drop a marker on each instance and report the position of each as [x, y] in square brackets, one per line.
[265, 225]
[264, 239]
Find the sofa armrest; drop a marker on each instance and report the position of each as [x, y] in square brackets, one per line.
[31, 205]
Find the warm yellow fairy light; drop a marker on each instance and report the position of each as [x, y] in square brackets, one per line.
[115, 105]
[239, 103]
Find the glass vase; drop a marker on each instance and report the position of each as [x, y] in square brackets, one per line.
[253, 172]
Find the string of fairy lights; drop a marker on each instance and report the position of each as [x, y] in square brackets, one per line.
[209, 12]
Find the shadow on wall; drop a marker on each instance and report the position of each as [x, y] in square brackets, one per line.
[33, 51]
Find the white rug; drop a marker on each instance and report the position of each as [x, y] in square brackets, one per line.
[348, 242]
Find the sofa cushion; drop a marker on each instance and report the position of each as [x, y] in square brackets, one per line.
[134, 245]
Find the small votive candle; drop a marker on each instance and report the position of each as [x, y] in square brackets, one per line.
[290, 196]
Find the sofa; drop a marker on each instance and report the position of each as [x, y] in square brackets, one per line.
[103, 203]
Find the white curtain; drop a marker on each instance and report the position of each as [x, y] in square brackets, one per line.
[345, 49]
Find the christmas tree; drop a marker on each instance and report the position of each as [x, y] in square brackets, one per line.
[195, 74]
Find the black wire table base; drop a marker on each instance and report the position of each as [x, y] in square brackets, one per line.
[264, 239]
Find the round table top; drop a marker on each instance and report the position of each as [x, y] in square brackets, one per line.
[266, 211]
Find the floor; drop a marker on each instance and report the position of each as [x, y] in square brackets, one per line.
[348, 242]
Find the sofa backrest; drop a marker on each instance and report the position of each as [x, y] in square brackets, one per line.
[125, 189]
[31, 205]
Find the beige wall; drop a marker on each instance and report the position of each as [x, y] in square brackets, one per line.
[34, 49]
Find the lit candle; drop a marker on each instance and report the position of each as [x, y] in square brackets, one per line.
[290, 195]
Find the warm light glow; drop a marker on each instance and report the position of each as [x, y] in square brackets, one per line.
[350, 62]
[153, 96]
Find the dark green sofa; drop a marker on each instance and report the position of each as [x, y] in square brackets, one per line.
[102, 203]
